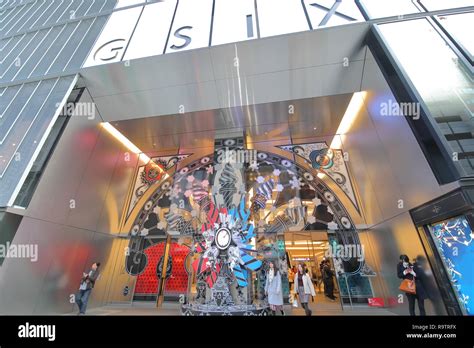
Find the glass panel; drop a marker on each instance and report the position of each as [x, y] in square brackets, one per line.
[125, 3]
[114, 38]
[191, 25]
[388, 8]
[441, 80]
[454, 241]
[26, 192]
[156, 19]
[460, 27]
[234, 21]
[433, 5]
[287, 16]
[24, 114]
[330, 13]
[312, 250]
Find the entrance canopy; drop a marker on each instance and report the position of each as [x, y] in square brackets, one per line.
[293, 66]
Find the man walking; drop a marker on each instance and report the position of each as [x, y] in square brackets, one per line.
[87, 284]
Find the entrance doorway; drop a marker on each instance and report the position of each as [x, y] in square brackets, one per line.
[166, 275]
[310, 248]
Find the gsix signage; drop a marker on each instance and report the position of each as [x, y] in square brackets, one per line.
[177, 25]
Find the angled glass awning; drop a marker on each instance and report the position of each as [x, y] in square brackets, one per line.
[27, 113]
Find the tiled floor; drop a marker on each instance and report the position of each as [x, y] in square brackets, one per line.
[320, 306]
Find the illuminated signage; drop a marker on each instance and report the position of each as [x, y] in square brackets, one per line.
[178, 25]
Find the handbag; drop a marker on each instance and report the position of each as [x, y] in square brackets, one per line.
[294, 301]
[408, 286]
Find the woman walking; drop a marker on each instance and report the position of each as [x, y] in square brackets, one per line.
[304, 288]
[273, 289]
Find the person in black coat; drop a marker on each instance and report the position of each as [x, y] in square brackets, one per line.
[328, 280]
[406, 270]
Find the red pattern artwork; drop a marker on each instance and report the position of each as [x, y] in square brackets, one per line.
[177, 283]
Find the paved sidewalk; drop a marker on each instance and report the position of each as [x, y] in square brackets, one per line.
[321, 307]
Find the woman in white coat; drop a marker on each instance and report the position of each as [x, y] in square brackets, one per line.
[304, 288]
[273, 289]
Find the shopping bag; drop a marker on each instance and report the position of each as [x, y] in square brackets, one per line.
[295, 301]
[408, 286]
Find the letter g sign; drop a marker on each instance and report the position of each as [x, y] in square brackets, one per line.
[109, 50]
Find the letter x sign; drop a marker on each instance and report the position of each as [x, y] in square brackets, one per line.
[331, 11]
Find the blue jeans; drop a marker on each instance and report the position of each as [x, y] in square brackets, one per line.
[82, 298]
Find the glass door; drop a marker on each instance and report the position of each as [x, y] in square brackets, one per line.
[311, 249]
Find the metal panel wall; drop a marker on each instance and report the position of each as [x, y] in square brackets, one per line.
[268, 70]
[92, 171]
[43, 43]
[46, 286]
[392, 176]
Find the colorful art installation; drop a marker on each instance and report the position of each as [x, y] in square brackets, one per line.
[234, 215]
[328, 161]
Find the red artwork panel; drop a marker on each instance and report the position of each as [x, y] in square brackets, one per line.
[176, 283]
[147, 282]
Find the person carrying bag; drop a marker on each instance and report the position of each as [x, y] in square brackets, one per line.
[411, 286]
[304, 287]
[408, 286]
[294, 301]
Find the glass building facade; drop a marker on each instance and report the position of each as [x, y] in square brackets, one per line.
[188, 144]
